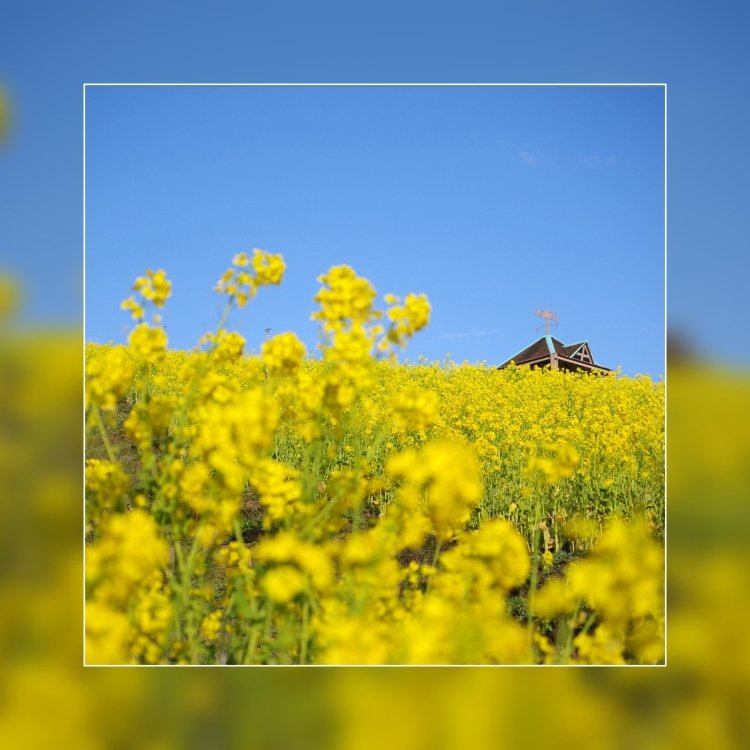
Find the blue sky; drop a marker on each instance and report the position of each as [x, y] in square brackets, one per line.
[50, 49]
[492, 201]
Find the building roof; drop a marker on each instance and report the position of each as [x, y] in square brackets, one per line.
[541, 352]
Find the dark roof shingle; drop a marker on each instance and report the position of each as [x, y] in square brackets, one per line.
[544, 347]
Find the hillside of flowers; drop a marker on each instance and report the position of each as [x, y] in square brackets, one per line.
[342, 507]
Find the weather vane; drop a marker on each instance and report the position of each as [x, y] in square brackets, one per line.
[549, 319]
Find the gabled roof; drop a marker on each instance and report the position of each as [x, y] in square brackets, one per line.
[579, 351]
[542, 350]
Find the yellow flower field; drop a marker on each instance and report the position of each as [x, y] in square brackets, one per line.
[348, 508]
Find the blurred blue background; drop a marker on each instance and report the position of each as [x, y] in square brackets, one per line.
[50, 50]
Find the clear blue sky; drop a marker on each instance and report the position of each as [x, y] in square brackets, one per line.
[492, 201]
[49, 49]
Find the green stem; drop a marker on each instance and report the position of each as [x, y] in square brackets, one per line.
[569, 638]
[224, 315]
[251, 646]
[191, 637]
[303, 643]
[588, 624]
[103, 432]
[534, 564]
[327, 510]
[176, 588]
[186, 574]
[533, 581]
[267, 625]
[435, 558]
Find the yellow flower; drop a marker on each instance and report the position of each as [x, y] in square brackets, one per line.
[149, 420]
[605, 646]
[443, 481]
[345, 299]
[154, 286]
[554, 598]
[152, 616]
[211, 626]
[108, 635]
[136, 310]
[408, 318]
[414, 409]
[127, 551]
[269, 268]
[108, 376]
[285, 547]
[562, 464]
[148, 343]
[233, 435]
[107, 480]
[9, 292]
[499, 547]
[278, 487]
[350, 353]
[283, 354]
[283, 583]
[227, 345]
[5, 115]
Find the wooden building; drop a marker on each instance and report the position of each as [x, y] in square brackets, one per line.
[550, 351]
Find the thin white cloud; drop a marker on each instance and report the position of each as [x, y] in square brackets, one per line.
[529, 158]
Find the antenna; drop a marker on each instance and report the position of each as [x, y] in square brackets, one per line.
[549, 319]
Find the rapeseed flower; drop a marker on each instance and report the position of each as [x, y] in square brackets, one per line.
[283, 354]
[108, 376]
[346, 300]
[241, 285]
[283, 583]
[154, 287]
[441, 482]
[148, 343]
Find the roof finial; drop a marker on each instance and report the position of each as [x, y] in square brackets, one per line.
[549, 319]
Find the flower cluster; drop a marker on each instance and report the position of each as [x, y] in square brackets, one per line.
[278, 488]
[622, 585]
[283, 354]
[241, 284]
[226, 346]
[9, 296]
[561, 463]
[128, 609]
[154, 287]
[346, 300]
[414, 409]
[107, 484]
[228, 436]
[108, 376]
[148, 343]
[408, 318]
[441, 487]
